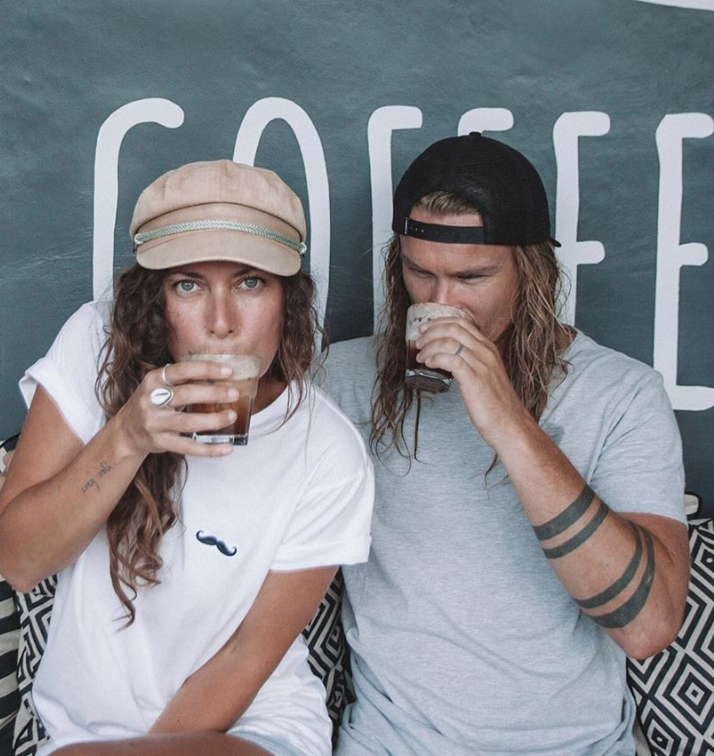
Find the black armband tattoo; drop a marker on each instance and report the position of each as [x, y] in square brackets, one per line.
[624, 614]
[580, 537]
[567, 517]
[622, 582]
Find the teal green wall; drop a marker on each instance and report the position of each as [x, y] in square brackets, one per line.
[612, 100]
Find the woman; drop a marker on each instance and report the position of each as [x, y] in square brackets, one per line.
[187, 570]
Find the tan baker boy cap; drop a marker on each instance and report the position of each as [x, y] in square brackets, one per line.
[219, 210]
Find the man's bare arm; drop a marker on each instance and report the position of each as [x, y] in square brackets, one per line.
[629, 572]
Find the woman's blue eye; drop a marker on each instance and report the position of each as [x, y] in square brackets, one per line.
[186, 286]
[251, 283]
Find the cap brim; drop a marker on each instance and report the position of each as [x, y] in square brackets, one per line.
[208, 245]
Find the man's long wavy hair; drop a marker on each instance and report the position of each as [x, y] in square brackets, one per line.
[137, 343]
[534, 344]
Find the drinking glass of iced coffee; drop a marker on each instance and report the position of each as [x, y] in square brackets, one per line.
[246, 370]
[418, 375]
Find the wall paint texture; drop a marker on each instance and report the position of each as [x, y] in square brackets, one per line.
[611, 99]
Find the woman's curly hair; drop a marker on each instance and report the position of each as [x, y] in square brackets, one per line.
[137, 343]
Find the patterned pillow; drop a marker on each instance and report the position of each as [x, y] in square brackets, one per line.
[674, 690]
[329, 654]
[328, 657]
[9, 640]
[35, 610]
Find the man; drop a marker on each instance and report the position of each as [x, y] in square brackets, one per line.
[529, 526]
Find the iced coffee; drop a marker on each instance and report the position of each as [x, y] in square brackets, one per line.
[417, 375]
[246, 371]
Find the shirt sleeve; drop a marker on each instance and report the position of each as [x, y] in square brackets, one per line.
[640, 468]
[68, 371]
[331, 524]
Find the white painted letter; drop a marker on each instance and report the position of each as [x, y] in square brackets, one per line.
[568, 128]
[382, 123]
[707, 5]
[106, 178]
[485, 119]
[671, 255]
[259, 115]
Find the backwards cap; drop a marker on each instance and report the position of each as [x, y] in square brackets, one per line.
[497, 180]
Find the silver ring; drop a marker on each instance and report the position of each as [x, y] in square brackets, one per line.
[164, 377]
[160, 397]
[458, 350]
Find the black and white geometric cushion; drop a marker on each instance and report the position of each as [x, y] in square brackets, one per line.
[674, 690]
[35, 610]
[9, 641]
[328, 652]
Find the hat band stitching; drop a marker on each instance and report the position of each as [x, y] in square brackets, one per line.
[249, 228]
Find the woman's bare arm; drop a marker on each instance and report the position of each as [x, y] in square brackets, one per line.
[59, 492]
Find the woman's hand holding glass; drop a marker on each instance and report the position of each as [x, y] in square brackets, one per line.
[150, 424]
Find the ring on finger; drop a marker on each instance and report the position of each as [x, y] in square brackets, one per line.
[164, 377]
[162, 396]
[458, 350]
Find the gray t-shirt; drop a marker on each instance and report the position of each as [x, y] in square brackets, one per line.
[463, 639]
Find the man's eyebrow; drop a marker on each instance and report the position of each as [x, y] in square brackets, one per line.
[476, 270]
[406, 259]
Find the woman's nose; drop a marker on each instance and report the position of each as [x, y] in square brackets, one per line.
[222, 317]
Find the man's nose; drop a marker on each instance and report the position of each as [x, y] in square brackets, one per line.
[442, 292]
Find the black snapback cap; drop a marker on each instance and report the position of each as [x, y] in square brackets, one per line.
[497, 180]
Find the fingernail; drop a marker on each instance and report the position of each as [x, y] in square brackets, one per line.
[232, 415]
[418, 344]
[233, 393]
[226, 370]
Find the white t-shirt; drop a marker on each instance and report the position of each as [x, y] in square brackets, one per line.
[298, 496]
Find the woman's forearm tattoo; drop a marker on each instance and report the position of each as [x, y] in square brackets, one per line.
[643, 549]
[104, 468]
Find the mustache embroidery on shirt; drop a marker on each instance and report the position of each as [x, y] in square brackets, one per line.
[210, 540]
